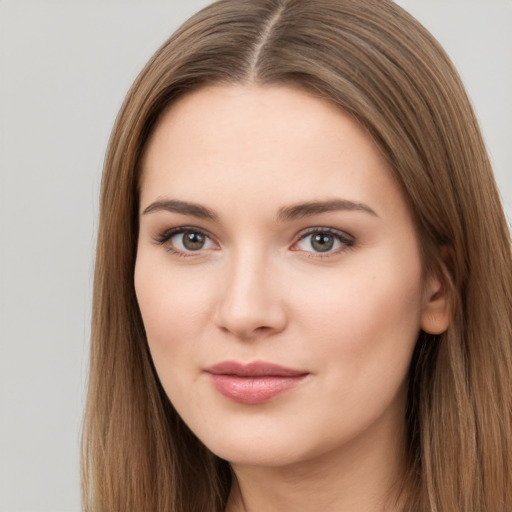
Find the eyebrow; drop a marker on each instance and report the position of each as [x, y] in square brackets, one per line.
[287, 213]
[310, 208]
[183, 207]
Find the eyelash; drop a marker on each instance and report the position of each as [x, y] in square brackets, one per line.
[344, 239]
[164, 237]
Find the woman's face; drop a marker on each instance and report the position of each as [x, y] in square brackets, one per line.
[278, 275]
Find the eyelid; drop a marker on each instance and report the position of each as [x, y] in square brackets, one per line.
[347, 241]
[343, 237]
[331, 231]
[166, 235]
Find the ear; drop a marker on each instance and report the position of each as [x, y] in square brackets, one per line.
[438, 299]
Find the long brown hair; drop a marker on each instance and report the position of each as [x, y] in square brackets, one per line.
[378, 64]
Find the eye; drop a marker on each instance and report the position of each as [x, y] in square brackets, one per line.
[185, 240]
[323, 240]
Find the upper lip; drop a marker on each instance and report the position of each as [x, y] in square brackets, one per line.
[254, 369]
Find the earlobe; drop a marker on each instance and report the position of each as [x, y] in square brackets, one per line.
[438, 301]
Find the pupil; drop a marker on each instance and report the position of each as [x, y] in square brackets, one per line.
[193, 241]
[322, 243]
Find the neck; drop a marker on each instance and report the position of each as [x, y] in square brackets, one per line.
[363, 475]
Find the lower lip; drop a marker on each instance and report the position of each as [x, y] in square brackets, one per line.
[254, 390]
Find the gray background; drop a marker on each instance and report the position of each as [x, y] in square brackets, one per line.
[65, 67]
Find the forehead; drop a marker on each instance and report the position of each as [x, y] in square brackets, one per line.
[234, 143]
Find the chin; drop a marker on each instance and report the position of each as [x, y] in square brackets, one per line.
[260, 446]
[263, 454]
[265, 446]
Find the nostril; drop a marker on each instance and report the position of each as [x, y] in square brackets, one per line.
[247, 305]
[250, 326]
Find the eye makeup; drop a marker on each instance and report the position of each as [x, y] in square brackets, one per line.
[185, 241]
[319, 242]
[323, 241]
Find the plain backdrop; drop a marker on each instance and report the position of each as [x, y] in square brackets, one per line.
[65, 67]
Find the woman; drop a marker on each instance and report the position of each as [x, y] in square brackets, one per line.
[303, 280]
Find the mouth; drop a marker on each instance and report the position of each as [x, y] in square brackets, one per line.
[253, 383]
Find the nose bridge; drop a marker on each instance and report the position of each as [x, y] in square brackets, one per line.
[250, 302]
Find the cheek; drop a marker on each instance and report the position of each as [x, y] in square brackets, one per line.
[174, 305]
[366, 316]
[360, 329]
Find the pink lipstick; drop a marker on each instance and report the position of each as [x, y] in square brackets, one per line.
[253, 383]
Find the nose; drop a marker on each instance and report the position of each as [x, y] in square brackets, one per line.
[250, 300]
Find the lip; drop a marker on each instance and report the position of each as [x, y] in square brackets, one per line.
[253, 383]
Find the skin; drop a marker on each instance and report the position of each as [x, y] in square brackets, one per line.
[259, 290]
